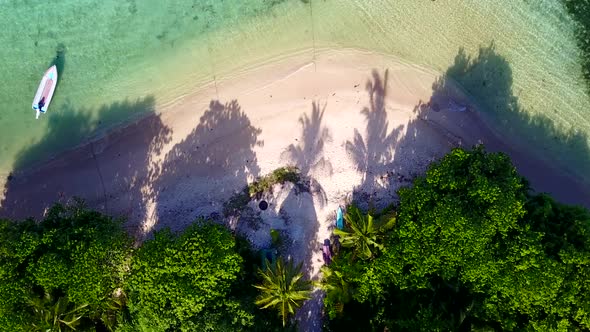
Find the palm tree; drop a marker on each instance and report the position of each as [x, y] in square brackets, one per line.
[108, 310]
[338, 290]
[283, 288]
[55, 316]
[362, 233]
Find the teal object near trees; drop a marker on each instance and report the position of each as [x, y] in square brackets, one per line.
[340, 218]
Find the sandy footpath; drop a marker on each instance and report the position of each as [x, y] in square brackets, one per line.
[351, 121]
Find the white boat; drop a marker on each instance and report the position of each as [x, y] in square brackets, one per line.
[45, 91]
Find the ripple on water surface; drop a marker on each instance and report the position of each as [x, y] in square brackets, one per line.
[517, 59]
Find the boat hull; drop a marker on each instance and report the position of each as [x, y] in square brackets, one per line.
[45, 91]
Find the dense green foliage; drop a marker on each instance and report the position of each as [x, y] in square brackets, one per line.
[336, 282]
[467, 248]
[363, 236]
[71, 261]
[76, 270]
[279, 175]
[184, 282]
[472, 250]
[283, 288]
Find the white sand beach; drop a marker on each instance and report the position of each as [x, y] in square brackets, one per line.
[352, 122]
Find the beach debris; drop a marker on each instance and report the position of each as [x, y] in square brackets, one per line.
[263, 205]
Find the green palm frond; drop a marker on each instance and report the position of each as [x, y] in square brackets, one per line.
[364, 234]
[282, 288]
[107, 314]
[55, 315]
[338, 290]
[387, 221]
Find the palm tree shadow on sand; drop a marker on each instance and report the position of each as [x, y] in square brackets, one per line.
[292, 207]
[373, 152]
[308, 156]
[125, 174]
[552, 158]
[207, 167]
[391, 159]
[97, 171]
[484, 80]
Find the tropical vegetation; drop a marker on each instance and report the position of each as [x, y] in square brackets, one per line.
[472, 249]
[184, 282]
[77, 270]
[283, 288]
[62, 273]
[362, 233]
[468, 247]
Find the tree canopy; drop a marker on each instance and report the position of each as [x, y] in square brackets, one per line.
[473, 249]
[364, 233]
[76, 269]
[467, 248]
[73, 259]
[184, 282]
[283, 288]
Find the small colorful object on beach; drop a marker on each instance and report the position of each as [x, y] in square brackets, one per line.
[327, 252]
[340, 218]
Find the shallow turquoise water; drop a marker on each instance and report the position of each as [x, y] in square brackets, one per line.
[110, 51]
[116, 51]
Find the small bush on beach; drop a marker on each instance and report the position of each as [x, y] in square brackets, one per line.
[263, 184]
[278, 176]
